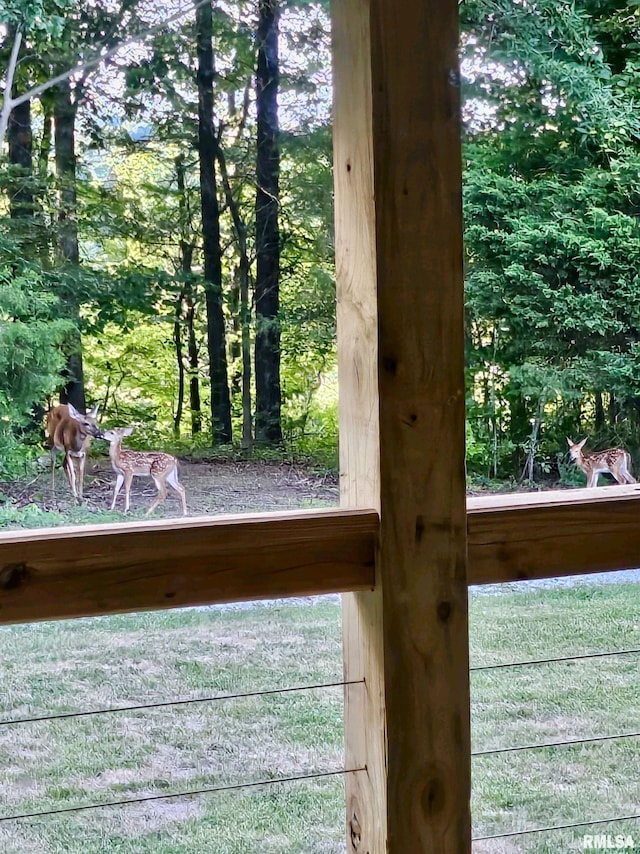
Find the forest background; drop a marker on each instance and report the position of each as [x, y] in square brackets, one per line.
[166, 226]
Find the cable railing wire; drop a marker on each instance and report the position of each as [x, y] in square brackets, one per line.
[553, 827]
[186, 794]
[319, 686]
[478, 668]
[553, 744]
[171, 703]
[567, 743]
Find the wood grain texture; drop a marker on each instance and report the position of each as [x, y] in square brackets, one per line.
[421, 380]
[548, 534]
[56, 573]
[365, 728]
[403, 321]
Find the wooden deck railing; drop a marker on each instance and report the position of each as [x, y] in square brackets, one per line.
[83, 571]
[56, 573]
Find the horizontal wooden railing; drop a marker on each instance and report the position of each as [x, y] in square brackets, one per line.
[55, 573]
[71, 572]
[553, 534]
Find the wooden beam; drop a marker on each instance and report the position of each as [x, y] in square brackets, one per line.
[357, 312]
[84, 571]
[418, 200]
[400, 345]
[548, 534]
[74, 572]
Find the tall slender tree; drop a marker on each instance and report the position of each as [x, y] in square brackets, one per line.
[65, 112]
[242, 277]
[186, 316]
[207, 147]
[21, 157]
[21, 195]
[267, 345]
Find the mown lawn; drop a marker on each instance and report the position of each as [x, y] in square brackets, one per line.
[555, 702]
[150, 658]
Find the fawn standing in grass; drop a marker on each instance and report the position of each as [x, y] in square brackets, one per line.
[70, 431]
[616, 461]
[163, 468]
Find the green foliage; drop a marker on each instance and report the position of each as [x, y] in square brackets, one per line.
[132, 373]
[35, 16]
[138, 206]
[552, 236]
[310, 424]
[552, 232]
[31, 359]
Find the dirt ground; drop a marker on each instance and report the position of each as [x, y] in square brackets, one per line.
[211, 487]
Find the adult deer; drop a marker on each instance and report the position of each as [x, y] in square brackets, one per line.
[71, 432]
[127, 464]
[616, 461]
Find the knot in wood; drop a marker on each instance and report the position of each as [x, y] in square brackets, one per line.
[355, 831]
[433, 796]
[444, 611]
[390, 365]
[12, 575]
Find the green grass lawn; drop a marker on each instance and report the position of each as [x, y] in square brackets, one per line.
[149, 658]
[555, 702]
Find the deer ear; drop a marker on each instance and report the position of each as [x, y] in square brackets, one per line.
[570, 441]
[94, 411]
[581, 444]
[127, 431]
[73, 412]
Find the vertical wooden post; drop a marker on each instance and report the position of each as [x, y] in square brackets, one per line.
[400, 342]
[365, 739]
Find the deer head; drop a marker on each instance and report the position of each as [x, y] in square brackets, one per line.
[71, 431]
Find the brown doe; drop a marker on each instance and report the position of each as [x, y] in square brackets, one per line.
[71, 432]
[161, 467]
[615, 461]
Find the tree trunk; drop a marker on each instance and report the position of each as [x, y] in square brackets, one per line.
[244, 313]
[529, 467]
[519, 426]
[186, 250]
[44, 236]
[177, 340]
[235, 348]
[20, 140]
[267, 345]
[194, 382]
[45, 141]
[207, 143]
[599, 412]
[245, 321]
[65, 119]
[21, 204]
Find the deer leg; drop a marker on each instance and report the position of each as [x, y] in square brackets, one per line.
[593, 479]
[53, 453]
[175, 484]
[627, 477]
[179, 488]
[118, 487]
[81, 464]
[128, 477]
[71, 473]
[161, 486]
[76, 463]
